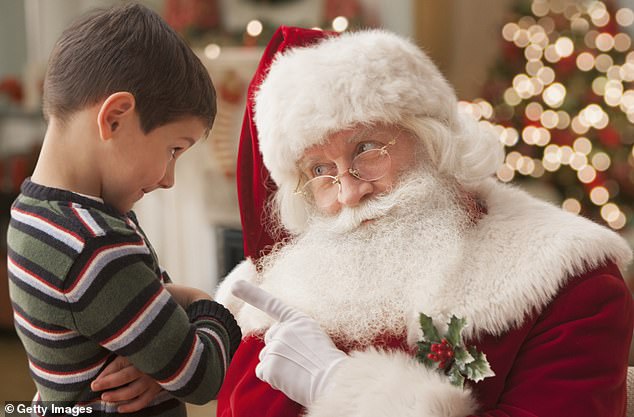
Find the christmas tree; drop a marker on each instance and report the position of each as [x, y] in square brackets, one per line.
[562, 98]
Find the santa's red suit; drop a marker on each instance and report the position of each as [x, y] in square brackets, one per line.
[540, 289]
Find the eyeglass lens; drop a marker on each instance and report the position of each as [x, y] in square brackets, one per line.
[370, 165]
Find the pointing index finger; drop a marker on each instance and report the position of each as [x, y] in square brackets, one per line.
[262, 300]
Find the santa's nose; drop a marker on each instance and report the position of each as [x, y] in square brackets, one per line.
[353, 191]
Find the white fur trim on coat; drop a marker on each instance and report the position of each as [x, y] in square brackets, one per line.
[517, 258]
[364, 77]
[245, 270]
[385, 384]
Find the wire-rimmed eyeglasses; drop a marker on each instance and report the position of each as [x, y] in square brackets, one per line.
[370, 165]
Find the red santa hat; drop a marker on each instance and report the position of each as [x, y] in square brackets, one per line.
[254, 183]
[310, 84]
[364, 77]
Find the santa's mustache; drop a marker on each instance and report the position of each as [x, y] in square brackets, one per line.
[410, 190]
[349, 218]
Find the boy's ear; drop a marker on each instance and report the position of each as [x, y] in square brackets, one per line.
[115, 109]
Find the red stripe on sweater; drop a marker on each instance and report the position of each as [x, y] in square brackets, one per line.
[54, 225]
[88, 264]
[133, 319]
[184, 364]
[76, 371]
[44, 330]
[34, 275]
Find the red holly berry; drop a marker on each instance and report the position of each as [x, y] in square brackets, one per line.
[442, 353]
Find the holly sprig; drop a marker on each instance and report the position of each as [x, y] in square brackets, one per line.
[449, 354]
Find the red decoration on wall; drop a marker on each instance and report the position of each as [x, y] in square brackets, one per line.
[183, 15]
[347, 8]
[12, 87]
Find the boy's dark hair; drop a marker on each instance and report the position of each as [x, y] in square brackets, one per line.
[128, 48]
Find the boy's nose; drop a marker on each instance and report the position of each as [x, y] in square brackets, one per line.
[168, 179]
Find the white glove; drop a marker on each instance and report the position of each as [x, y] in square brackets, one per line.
[299, 358]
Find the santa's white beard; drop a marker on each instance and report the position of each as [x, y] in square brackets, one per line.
[369, 281]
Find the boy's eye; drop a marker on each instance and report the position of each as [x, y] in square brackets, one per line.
[174, 152]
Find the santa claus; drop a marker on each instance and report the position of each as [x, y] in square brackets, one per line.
[381, 205]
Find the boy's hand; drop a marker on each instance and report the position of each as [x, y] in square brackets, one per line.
[127, 384]
[185, 295]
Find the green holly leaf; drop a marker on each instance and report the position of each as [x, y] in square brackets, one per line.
[429, 330]
[424, 348]
[455, 377]
[454, 333]
[479, 368]
[461, 358]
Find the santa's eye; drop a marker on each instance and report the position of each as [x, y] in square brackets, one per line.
[321, 169]
[366, 146]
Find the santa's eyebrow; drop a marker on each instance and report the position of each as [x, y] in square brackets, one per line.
[373, 134]
[307, 162]
[356, 137]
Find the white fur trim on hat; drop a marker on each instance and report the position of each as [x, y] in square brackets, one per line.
[381, 384]
[358, 77]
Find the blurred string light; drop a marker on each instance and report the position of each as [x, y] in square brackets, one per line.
[339, 24]
[543, 97]
[212, 51]
[572, 205]
[254, 28]
[625, 17]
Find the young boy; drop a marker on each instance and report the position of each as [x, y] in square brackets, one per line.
[124, 97]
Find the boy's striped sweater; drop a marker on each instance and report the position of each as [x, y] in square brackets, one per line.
[86, 286]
